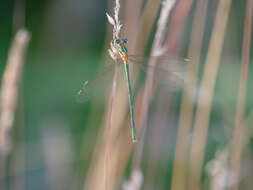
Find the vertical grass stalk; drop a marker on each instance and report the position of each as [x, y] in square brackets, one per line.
[10, 86]
[239, 129]
[199, 136]
[179, 178]
[148, 88]
[9, 94]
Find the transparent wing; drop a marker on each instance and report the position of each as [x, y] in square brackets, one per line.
[97, 86]
[168, 71]
[166, 61]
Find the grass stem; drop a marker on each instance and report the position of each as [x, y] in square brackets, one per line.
[179, 179]
[199, 136]
[238, 140]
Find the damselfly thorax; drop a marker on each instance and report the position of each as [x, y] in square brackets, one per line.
[122, 49]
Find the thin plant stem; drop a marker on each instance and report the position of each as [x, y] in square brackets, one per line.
[131, 102]
[238, 140]
[147, 21]
[116, 30]
[159, 135]
[177, 25]
[132, 22]
[109, 126]
[87, 144]
[179, 178]
[199, 136]
[10, 86]
[157, 46]
[9, 93]
[107, 163]
[155, 172]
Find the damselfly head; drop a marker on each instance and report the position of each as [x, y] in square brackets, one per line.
[121, 41]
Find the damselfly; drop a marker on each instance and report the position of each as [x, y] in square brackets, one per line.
[172, 67]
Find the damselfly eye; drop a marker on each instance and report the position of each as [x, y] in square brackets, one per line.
[117, 41]
[125, 40]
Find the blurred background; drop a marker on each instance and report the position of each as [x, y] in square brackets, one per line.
[56, 142]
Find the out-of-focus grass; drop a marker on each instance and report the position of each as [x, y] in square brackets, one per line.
[54, 73]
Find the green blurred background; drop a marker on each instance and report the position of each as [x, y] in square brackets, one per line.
[67, 39]
[52, 145]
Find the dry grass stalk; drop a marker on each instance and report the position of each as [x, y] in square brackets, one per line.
[138, 33]
[132, 23]
[179, 179]
[91, 133]
[109, 140]
[9, 94]
[156, 154]
[239, 140]
[199, 136]
[147, 20]
[159, 134]
[157, 49]
[116, 166]
[116, 159]
[10, 86]
[110, 137]
[177, 25]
